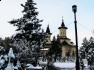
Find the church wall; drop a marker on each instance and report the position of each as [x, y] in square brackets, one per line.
[63, 52]
[73, 50]
[63, 33]
[67, 48]
[69, 42]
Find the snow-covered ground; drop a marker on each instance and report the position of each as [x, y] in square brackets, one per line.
[64, 65]
[85, 63]
[30, 66]
[43, 62]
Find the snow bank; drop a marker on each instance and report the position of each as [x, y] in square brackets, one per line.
[85, 62]
[30, 66]
[16, 67]
[43, 62]
[2, 62]
[9, 67]
[64, 65]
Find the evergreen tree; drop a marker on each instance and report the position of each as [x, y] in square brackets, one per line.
[29, 38]
[85, 44]
[2, 50]
[7, 42]
[87, 50]
[90, 54]
[55, 50]
[84, 47]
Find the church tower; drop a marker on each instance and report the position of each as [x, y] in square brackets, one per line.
[48, 37]
[62, 30]
[63, 33]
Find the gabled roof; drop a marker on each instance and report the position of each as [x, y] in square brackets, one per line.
[64, 38]
[64, 43]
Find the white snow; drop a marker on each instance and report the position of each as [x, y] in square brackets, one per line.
[16, 67]
[6, 57]
[1, 56]
[30, 66]
[45, 49]
[37, 67]
[43, 62]
[9, 67]
[10, 54]
[2, 62]
[64, 65]
[18, 64]
[85, 62]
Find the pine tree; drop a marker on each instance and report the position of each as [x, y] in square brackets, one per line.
[84, 48]
[87, 50]
[90, 55]
[29, 38]
[55, 50]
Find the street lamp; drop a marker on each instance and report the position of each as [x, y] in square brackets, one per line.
[74, 9]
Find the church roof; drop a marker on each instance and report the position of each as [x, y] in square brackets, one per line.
[64, 38]
[62, 25]
[64, 43]
[48, 30]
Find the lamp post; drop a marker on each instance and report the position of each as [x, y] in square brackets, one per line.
[74, 9]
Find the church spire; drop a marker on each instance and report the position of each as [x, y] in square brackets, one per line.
[48, 30]
[62, 24]
[62, 30]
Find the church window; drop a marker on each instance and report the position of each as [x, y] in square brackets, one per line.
[46, 40]
[73, 54]
[61, 33]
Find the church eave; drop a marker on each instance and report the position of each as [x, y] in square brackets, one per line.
[65, 38]
[64, 43]
[62, 27]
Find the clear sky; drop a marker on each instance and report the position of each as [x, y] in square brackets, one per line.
[51, 11]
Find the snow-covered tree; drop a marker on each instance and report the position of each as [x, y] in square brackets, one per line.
[29, 38]
[55, 50]
[87, 50]
[2, 50]
[90, 56]
[84, 48]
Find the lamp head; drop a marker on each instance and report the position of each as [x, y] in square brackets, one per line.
[74, 8]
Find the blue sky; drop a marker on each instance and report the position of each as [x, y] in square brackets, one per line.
[51, 11]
